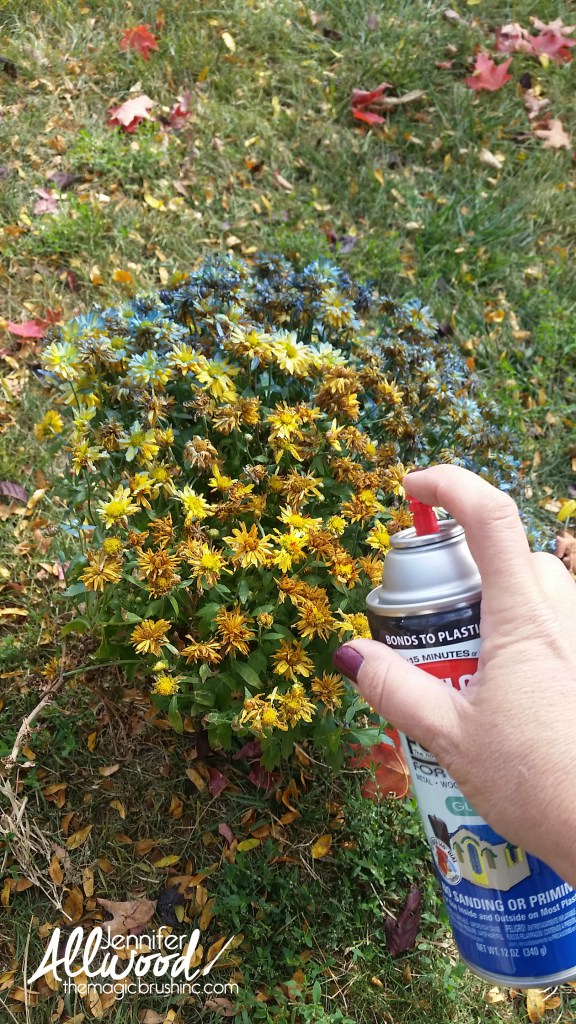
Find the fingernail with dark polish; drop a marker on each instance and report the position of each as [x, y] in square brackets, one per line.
[348, 661]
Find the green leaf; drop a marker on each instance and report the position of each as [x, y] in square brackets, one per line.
[250, 677]
[243, 591]
[75, 589]
[75, 626]
[369, 737]
[174, 604]
[174, 716]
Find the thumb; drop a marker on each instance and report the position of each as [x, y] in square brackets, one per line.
[415, 702]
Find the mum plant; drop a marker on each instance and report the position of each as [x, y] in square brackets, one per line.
[235, 450]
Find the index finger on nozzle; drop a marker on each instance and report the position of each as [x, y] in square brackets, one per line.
[490, 518]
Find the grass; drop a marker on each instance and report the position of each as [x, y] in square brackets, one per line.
[269, 159]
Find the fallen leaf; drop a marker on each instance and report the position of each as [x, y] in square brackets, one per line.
[8, 489]
[107, 770]
[534, 104]
[488, 75]
[196, 778]
[78, 839]
[322, 846]
[512, 38]
[495, 160]
[28, 329]
[62, 179]
[140, 39]
[55, 870]
[123, 277]
[88, 881]
[568, 509]
[180, 111]
[282, 182]
[248, 844]
[226, 831]
[495, 995]
[553, 44]
[48, 202]
[229, 42]
[217, 782]
[73, 905]
[250, 749]
[554, 135]
[129, 114]
[127, 915]
[535, 1004]
[261, 777]
[401, 932]
[387, 764]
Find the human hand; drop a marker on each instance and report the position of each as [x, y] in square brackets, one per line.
[508, 740]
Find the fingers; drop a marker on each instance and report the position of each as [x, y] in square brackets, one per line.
[493, 528]
[554, 578]
[416, 703]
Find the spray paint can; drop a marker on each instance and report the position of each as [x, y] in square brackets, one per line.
[513, 918]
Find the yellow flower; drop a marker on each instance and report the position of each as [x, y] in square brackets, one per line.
[393, 477]
[218, 482]
[100, 571]
[355, 623]
[117, 508]
[205, 562]
[330, 689]
[207, 651]
[343, 568]
[265, 620]
[296, 521]
[290, 354]
[216, 377]
[336, 525]
[295, 706]
[291, 548]
[139, 442]
[63, 360]
[158, 569]
[291, 660]
[298, 488]
[286, 423]
[248, 547]
[166, 686]
[372, 566]
[261, 715]
[233, 630]
[85, 456]
[315, 620]
[50, 424]
[362, 506]
[149, 636]
[378, 538]
[112, 546]
[195, 506]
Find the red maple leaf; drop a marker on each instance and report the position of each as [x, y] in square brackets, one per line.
[362, 99]
[180, 111]
[488, 75]
[554, 45]
[387, 764]
[140, 39]
[128, 115]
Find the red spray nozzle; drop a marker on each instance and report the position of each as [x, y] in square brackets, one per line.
[424, 517]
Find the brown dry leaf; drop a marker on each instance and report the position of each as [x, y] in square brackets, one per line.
[495, 995]
[73, 905]
[79, 838]
[282, 182]
[388, 102]
[535, 1004]
[322, 846]
[554, 137]
[127, 915]
[196, 778]
[495, 160]
[88, 881]
[151, 1017]
[108, 770]
[55, 870]
[119, 806]
[207, 914]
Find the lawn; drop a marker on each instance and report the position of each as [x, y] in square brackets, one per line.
[453, 199]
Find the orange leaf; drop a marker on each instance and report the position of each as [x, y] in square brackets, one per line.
[322, 846]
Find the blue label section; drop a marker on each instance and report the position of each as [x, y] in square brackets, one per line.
[511, 914]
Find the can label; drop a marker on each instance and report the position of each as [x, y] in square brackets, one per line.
[512, 916]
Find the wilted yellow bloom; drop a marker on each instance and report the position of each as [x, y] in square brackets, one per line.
[205, 651]
[50, 424]
[249, 547]
[233, 630]
[100, 571]
[295, 706]
[330, 689]
[149, 636]
[291, 660]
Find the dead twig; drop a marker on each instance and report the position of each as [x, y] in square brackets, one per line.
[24, 731]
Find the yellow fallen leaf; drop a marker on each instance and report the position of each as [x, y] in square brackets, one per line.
[79, 838]
[166, 862]
[229, 42]
[95, 275]
[322, 846]
[152, 202]
[10, 613]
[379, 176]
[535, 1004]
[495, 995]
[109, 769]
[88, 881]
[55, 870]
[73, 905]
[196, 778]
[568, 509]
[248, 844]
[123, 277]
[119, 806]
